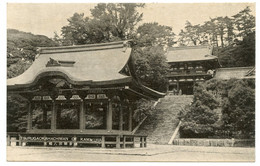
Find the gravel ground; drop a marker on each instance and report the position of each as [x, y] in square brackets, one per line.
[151, 153]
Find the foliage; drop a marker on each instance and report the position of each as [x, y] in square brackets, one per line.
[151, 67]
[241, 54]
[245, 22]
[217, 31]
[153, 34]
[221, 105]
[109, 22]
[16, 114]
[21, 50]
[143, 108]
[200, 119]
[238, 108]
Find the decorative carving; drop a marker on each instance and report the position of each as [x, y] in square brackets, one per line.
[52, 62]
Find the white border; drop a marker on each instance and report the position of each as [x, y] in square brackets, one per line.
[3, 82]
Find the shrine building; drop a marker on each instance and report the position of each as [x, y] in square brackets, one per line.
[84, 96]
[188, 65]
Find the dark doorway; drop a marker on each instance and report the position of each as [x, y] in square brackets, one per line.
[186, 88]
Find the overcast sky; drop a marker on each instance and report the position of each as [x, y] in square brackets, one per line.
[44, 19]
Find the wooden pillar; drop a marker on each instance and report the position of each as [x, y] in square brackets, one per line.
[44, 142]
[130, 120]
[44, 117]
[178, 86]
[124, 141]
[53, 116]
[142, 142]
[20, 140]
[167, 85]
[29, 118]
[145, 142]
[103, 141]
[82, 116]
[118, 142]
[8, 140]
[120, 117]
[109, 115]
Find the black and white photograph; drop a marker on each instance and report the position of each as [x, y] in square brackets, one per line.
[130, 82]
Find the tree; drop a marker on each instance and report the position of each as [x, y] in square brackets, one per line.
[241, 54]
[109, 22]
[201, 118]
[76, 31]
[236, 100]
[151, 67]
[238, 108]
[245, 22]
[191, 33]
[153, 34]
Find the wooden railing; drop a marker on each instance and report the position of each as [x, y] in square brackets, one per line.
[76, 140]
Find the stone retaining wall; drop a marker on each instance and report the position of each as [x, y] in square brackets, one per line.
[215, 142]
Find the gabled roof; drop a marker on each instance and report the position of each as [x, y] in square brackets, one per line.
[190, 53]
[235, 72]
[95, 63]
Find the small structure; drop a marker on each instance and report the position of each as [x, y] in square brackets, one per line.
[189, 64]
[81, 96]
[235, 72]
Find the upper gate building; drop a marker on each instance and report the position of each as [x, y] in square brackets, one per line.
[188, 65]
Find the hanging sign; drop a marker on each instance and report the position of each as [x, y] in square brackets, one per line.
[46, 98]
[61, 97]
[101, 96]
[75, 97]
[90, 96]
[90, 139]
[37, 98]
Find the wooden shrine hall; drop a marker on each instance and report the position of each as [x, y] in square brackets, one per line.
[81, 96]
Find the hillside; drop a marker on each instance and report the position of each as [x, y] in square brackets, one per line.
[21, 50]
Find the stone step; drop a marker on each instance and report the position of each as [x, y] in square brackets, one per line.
[162, 123]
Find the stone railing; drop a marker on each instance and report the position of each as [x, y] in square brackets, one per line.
[215, 142]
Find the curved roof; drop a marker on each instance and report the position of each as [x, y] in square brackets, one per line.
[95, 63]
[190, 53]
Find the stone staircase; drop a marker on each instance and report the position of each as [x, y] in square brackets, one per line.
[162, 123]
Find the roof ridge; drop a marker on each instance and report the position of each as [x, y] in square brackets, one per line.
[83, 46]
[80, 48]
[189, 47]
[230, 68]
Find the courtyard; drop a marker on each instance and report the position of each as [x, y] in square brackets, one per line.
[151, 153]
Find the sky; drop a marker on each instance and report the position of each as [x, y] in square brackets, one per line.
[46, 18]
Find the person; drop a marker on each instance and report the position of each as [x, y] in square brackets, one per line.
[180, 92]
[174, 91]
